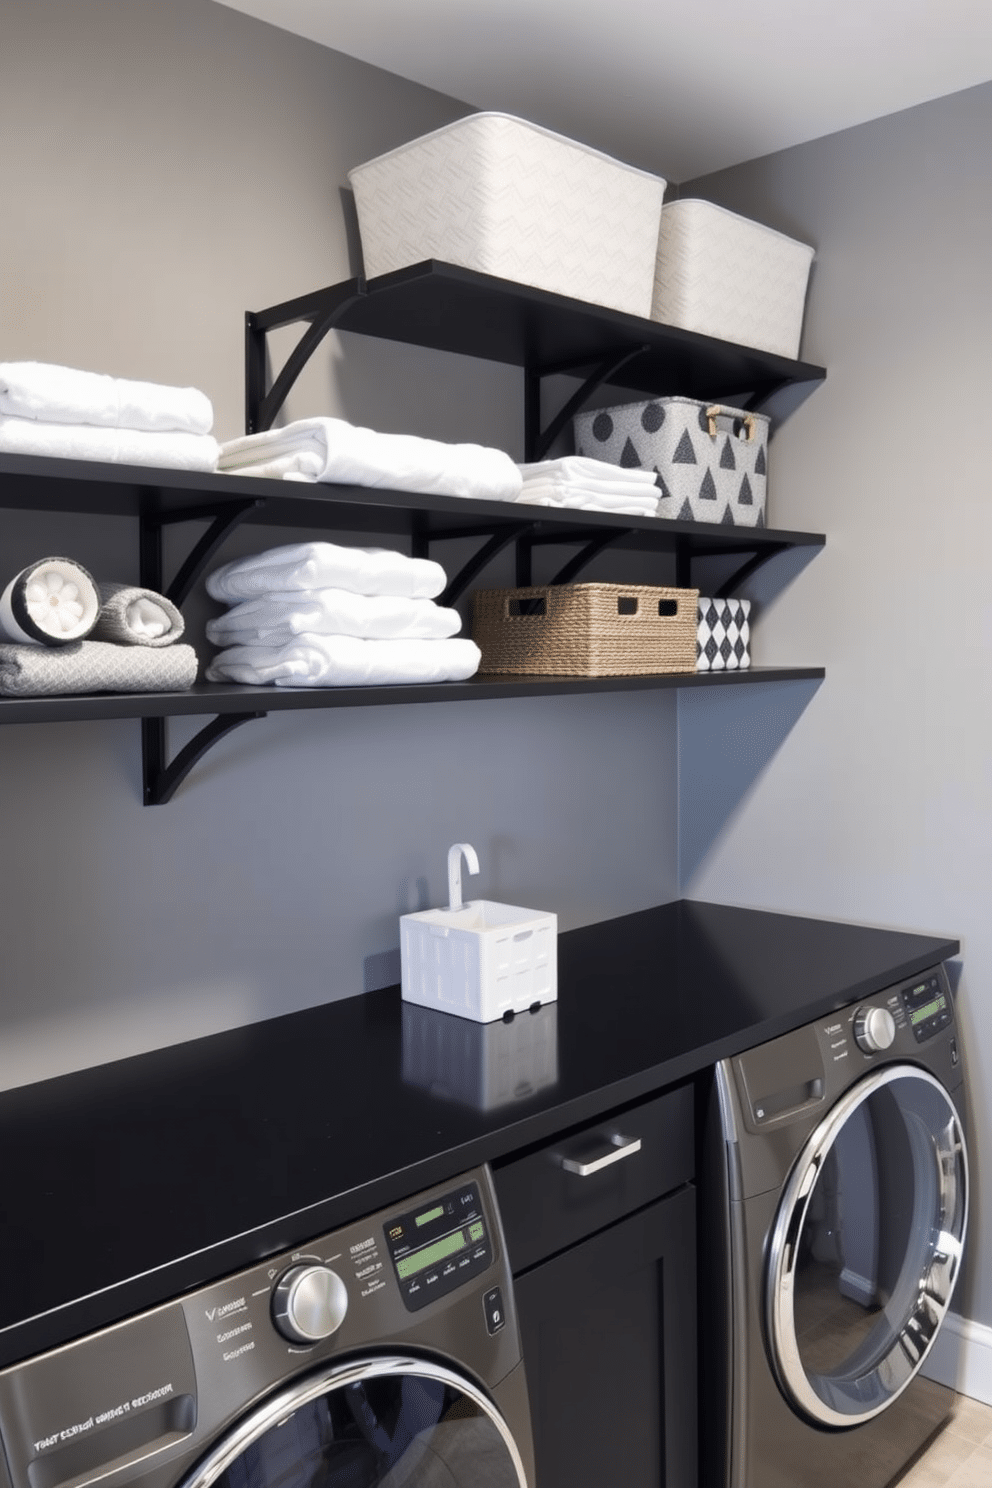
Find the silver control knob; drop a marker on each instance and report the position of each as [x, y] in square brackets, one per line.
[874, 1029]
[309, 1303]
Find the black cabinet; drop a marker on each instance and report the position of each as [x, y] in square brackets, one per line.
[601, 1233]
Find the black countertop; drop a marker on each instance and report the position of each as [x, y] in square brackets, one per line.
[127, 1184]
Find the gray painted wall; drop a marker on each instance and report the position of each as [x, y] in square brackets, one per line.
[875, 802]
[174, 166]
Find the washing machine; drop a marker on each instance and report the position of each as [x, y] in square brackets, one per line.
[836, 1200]
[385, 1353]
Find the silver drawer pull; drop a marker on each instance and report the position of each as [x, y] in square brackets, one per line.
[619, 1147]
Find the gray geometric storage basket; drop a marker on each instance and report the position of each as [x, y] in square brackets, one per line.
[711, 461]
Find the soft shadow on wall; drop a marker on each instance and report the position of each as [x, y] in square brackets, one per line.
[726, 740]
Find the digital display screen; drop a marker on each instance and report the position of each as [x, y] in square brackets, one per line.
[421, 1260]
[928, 1010]
[430, 1214]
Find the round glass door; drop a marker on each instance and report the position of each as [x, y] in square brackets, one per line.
[378, 1423]
[867, 1246]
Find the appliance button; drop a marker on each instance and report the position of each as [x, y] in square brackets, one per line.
[874, 1029]
[492, 1303]
[309, 1303]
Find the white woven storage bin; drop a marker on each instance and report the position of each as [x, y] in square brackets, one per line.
[711, 462]
[725, 276]
[504, 197]
[480, 961]
[723, 637]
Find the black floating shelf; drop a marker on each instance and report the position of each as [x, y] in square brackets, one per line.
[447, 308]
[206, 697]
[33, 484]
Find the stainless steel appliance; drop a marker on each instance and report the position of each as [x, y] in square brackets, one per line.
[385, 1353]
[836, 1194]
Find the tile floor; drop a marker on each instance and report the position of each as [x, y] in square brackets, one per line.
[961, 1456]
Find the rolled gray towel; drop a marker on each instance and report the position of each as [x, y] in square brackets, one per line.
[132, 616]
[94, 666]
[51, 603]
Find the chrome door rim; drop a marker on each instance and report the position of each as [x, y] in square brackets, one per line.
[276, 1408]
[918, 1330]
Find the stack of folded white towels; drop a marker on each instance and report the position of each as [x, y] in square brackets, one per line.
[318, 615]
[334, 451]
[589, 485]
[46, 409]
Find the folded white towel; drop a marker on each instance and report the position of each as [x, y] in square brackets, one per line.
[170, 451]
[579, 500]
[345, 661]
[133, 616]
[329, 449]
[94, 666]
[277, 618]
[324, 565]
[50, 603]
[579, 470]
[63, 395]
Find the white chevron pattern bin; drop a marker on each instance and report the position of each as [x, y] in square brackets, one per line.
[725, 276]
[502, 196]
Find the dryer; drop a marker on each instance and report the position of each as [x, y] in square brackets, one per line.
[836, 1193]
[385, 1353]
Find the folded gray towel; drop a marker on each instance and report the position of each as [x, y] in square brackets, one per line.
[94, 666]
[136, 617]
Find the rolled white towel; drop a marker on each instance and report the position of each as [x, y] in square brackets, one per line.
[170, 450]
[329, 449]
[324, 565]
[345, 661]
[277, 618]
[133, 616]
[63, 395]
[94, 666]
[50, 603]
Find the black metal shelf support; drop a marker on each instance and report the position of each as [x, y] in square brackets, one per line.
[322, 312]
[538, 441]
[159, 778]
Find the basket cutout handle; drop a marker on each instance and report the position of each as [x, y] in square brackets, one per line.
[529, 607]
[745, 419]
[629, 604]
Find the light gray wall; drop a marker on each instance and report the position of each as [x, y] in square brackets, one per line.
[165, 168]
[875, 805]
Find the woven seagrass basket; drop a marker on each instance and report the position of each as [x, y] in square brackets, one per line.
[586, 630]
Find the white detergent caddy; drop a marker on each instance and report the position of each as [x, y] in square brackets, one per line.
[481, 960]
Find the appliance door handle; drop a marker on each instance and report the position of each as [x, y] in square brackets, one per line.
[620, 1147]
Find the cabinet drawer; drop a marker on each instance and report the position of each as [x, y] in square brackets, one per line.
[553, 1197]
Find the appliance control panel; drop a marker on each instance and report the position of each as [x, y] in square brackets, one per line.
[925, 1005]
[439, 1245]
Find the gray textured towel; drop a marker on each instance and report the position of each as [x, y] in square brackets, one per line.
[132, 616]
[94, 666]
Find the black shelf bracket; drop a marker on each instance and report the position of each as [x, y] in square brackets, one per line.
[538, 441]
[322, 312]
[485, 555]
[161, 780]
